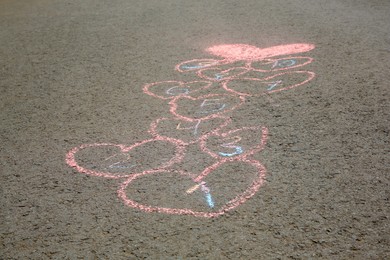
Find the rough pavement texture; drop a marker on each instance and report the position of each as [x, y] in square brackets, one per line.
[72, 73]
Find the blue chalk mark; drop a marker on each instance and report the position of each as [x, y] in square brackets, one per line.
[182, 90]
[218, 76]
[285, 63]
[118, 166]
[209, 200]
[238, 151]
[192, 67]
[274, 84]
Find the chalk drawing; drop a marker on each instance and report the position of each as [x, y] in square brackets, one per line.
[189, 132]
[121, 164]
[217, 209]
[215, 106]
[233, 52]
[215, 74]
[274, 65]
[256, 138]
[71, 157]
[234, 102]
[175, 91]
[195, 127]
[202, 118]
[195, 187]
[209, 198]
[171, 88]
[237, 149]
[272, 84]
[193, 65]
[284, 63]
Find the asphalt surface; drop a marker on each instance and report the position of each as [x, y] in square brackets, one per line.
[88, 173]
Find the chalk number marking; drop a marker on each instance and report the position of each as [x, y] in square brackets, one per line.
[213, 106]
[237, 149]
[120, 164]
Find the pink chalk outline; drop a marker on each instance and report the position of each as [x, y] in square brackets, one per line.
[174, 106]
[71, 156]
[154, 125]
[181, 84]
[238, 200]
[257, 147]
[229, 54]
[310, 76]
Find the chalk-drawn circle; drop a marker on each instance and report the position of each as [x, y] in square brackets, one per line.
[208, 106]
[267, 85]
[71, 160]
[170, 89]
[237, 200]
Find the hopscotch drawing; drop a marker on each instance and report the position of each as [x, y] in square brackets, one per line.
[240, 71]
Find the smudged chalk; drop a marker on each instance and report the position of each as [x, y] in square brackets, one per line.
[234, 52]
[209, 200]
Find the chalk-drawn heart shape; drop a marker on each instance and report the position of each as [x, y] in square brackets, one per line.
[197, 64]
[237, 143]
[268, 85]
[170, 89]
[273, 65]
[120, 161]
[188, 132]
[251, 53]
[217, 74]
[204, 107]
[168, 188]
